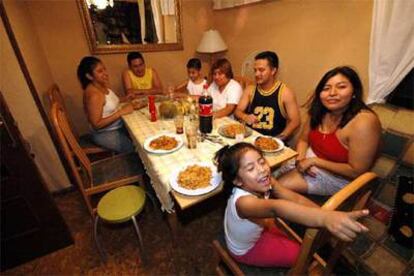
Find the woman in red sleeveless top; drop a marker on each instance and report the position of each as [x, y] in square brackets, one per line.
[339, 141]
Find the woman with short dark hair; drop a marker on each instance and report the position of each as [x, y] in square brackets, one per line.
[339, 140]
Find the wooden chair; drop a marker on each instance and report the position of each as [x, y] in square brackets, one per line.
[94, 177]
[54, 95]
[244, 82]
[352, 197]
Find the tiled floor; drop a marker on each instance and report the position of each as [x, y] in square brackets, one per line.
[193, 256]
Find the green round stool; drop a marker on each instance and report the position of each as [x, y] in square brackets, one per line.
[118, 206]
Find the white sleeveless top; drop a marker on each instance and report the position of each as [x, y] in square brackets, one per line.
[110, 107]
[195, 89]
[241, 234]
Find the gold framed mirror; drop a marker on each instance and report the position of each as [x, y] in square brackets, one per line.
[118, 26]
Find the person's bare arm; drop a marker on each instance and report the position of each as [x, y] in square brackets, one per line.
[292, 112]
[226, 111]
[280, 192]
[94, 102]
[303, 144]
[182, 87]
[364, 138]
[344, 225]
[244, 102]
[126, 81]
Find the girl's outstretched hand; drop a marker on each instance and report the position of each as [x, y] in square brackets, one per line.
[344, 225]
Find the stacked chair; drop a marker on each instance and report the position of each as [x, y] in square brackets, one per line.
[352, 197]
[111, 176]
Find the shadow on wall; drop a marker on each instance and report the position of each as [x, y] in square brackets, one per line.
[47, 161]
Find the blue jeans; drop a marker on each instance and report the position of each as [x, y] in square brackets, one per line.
[117, 140]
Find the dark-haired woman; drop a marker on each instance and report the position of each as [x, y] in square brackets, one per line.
[102, 107]
[340, 139]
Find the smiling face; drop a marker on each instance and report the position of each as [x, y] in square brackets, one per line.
[264, 74]
[100, 75]
[337, 93]
[220, 78]
[137, 67]
[254, 173]
[193, 74]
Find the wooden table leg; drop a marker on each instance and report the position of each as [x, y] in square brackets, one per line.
[174, 224]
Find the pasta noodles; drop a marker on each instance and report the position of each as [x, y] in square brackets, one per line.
[163, 142]
[195, 177]
[266, 144]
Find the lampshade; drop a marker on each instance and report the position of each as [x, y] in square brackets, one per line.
[211, 42]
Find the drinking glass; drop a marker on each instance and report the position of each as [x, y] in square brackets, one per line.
[191, 134]
[179, 123]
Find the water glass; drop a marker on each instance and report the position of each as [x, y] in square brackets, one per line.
[179, 123]
[191, 134]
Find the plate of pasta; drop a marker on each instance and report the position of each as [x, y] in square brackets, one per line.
[269, 144]
[230, 130]
[163, 143]
[195, 179]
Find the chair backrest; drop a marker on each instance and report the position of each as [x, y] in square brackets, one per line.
[353, 196]
[79, 163]
[54, 95]
[244, 81]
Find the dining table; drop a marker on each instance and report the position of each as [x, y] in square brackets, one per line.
[159, 167]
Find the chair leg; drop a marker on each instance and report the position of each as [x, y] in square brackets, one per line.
[95, 237]
[141, 245]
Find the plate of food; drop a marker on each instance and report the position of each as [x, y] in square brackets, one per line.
[230, 130]
[163, 143]
[195, 179]
[269, 144]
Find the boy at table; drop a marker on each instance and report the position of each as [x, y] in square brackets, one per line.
[140, 80]
[269, 107]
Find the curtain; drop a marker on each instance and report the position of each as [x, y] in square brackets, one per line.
[392, 47]
[156, 10]
[223, 4]
[168, 7]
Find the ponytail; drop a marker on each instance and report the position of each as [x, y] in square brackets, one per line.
[227, 160]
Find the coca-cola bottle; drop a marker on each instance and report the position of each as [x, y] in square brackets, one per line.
[205, 103]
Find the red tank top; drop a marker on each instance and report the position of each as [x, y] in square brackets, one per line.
[328, 146]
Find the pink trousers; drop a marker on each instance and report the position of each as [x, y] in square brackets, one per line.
[272, 249]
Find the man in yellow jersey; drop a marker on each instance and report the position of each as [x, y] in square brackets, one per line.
[269, 107]
[138, 79]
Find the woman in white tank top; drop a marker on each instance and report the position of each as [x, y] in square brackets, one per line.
[102, 107]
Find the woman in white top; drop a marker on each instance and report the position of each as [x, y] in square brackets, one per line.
[102, 108]
[224, 90]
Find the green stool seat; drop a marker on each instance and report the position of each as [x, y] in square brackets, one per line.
[120, 204]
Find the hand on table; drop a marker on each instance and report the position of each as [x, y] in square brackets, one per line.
[126, 109]
[250, 119]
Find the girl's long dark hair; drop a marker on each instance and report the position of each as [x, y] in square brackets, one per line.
[317, 110]
[228, 163]
[86, 66]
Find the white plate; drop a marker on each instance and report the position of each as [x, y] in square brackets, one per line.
[214, 183]
[221, 131]
[280, 142]
[161, 151]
